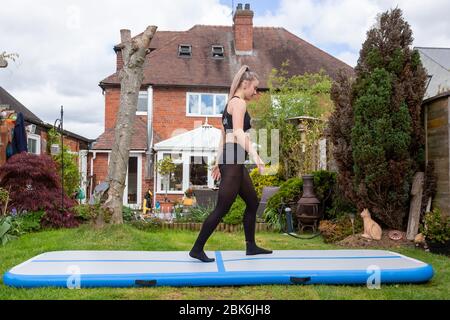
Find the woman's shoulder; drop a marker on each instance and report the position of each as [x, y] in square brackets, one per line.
[237, 104]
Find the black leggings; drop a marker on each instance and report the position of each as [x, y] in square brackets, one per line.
[235, 180]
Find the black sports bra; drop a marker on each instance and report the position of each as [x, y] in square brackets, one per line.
[227, 120]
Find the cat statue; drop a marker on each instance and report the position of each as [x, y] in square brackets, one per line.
[372, 230]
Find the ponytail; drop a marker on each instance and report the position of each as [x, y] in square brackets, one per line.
[244, 73]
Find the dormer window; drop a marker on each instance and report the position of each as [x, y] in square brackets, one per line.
[185, 50]
[217, 51]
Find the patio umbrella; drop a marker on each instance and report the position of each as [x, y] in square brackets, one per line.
[19, 141]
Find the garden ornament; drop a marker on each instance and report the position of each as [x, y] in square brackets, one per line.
[372, 230]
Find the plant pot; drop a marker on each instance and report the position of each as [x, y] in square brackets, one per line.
[439, 247]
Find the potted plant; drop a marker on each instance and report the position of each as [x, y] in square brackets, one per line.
[189, 197]
[165, 167]
[436, 230]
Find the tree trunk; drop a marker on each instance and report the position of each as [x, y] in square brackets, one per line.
[131, 77]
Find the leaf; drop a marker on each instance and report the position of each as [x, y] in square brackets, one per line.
[4, 228]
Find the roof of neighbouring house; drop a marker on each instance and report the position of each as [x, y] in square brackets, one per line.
[7, 99]
[272, 47]
[440, 55]
[138, 139]
[437, 63]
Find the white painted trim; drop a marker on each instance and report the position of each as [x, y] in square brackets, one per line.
[150, 116]
[138, 204]
[143, 113]
[158, 178]
[82, 165]
[216, 115]
[94, 155]
[155, 178]
[36, 138]
[186, 157]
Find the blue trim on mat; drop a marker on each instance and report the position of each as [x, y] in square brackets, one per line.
[415, 275]
[219, 260]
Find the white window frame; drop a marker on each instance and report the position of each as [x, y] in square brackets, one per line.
[209, 157]
[144, 113]
[37, 138]
[177, 161]
[214, 115]
[185, 159]
[137, 205]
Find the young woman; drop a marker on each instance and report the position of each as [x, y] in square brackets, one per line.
[230, 169]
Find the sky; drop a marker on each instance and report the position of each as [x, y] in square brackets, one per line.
[66, 47]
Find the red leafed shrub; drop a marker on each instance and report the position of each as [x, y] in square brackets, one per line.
[35, 185]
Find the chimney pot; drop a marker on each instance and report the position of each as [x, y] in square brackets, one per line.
[125, 35]
[239, 6]
[247, 6]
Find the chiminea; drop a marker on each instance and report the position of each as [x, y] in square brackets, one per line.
[308, 213]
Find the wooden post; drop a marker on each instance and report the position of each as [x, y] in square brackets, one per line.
[416, 203]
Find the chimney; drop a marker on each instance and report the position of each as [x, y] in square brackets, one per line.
[119, 58]
[243, 30]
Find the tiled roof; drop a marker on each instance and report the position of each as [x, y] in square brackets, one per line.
[138, 138]
[272, 46]
[440, 55]
[14, 104]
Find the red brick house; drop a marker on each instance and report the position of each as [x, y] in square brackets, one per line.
[187, 78]
[37, 134]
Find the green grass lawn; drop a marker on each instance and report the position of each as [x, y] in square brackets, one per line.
[128, 238]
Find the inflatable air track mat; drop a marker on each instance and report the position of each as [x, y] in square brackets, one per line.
[80, 269]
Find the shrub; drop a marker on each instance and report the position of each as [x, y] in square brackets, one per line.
[30, 221]
[54, 218]
[71, 172]
[290, 191]
[325, 189]
[340, 206]
[36, 186]
[340, 228]
[89, 213]
[264, 180]
[4, 199]
[196, 214]
[148, 224]
[127, 213]
[377, 128]
[9, 229]
[236, 213]
[436, 228]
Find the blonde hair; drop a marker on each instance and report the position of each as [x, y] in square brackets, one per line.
[244, 73]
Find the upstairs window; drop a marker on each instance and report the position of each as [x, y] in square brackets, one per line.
[142, 106]
[34, 143]
[205, 104]
[185, 50]
[217, 51]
